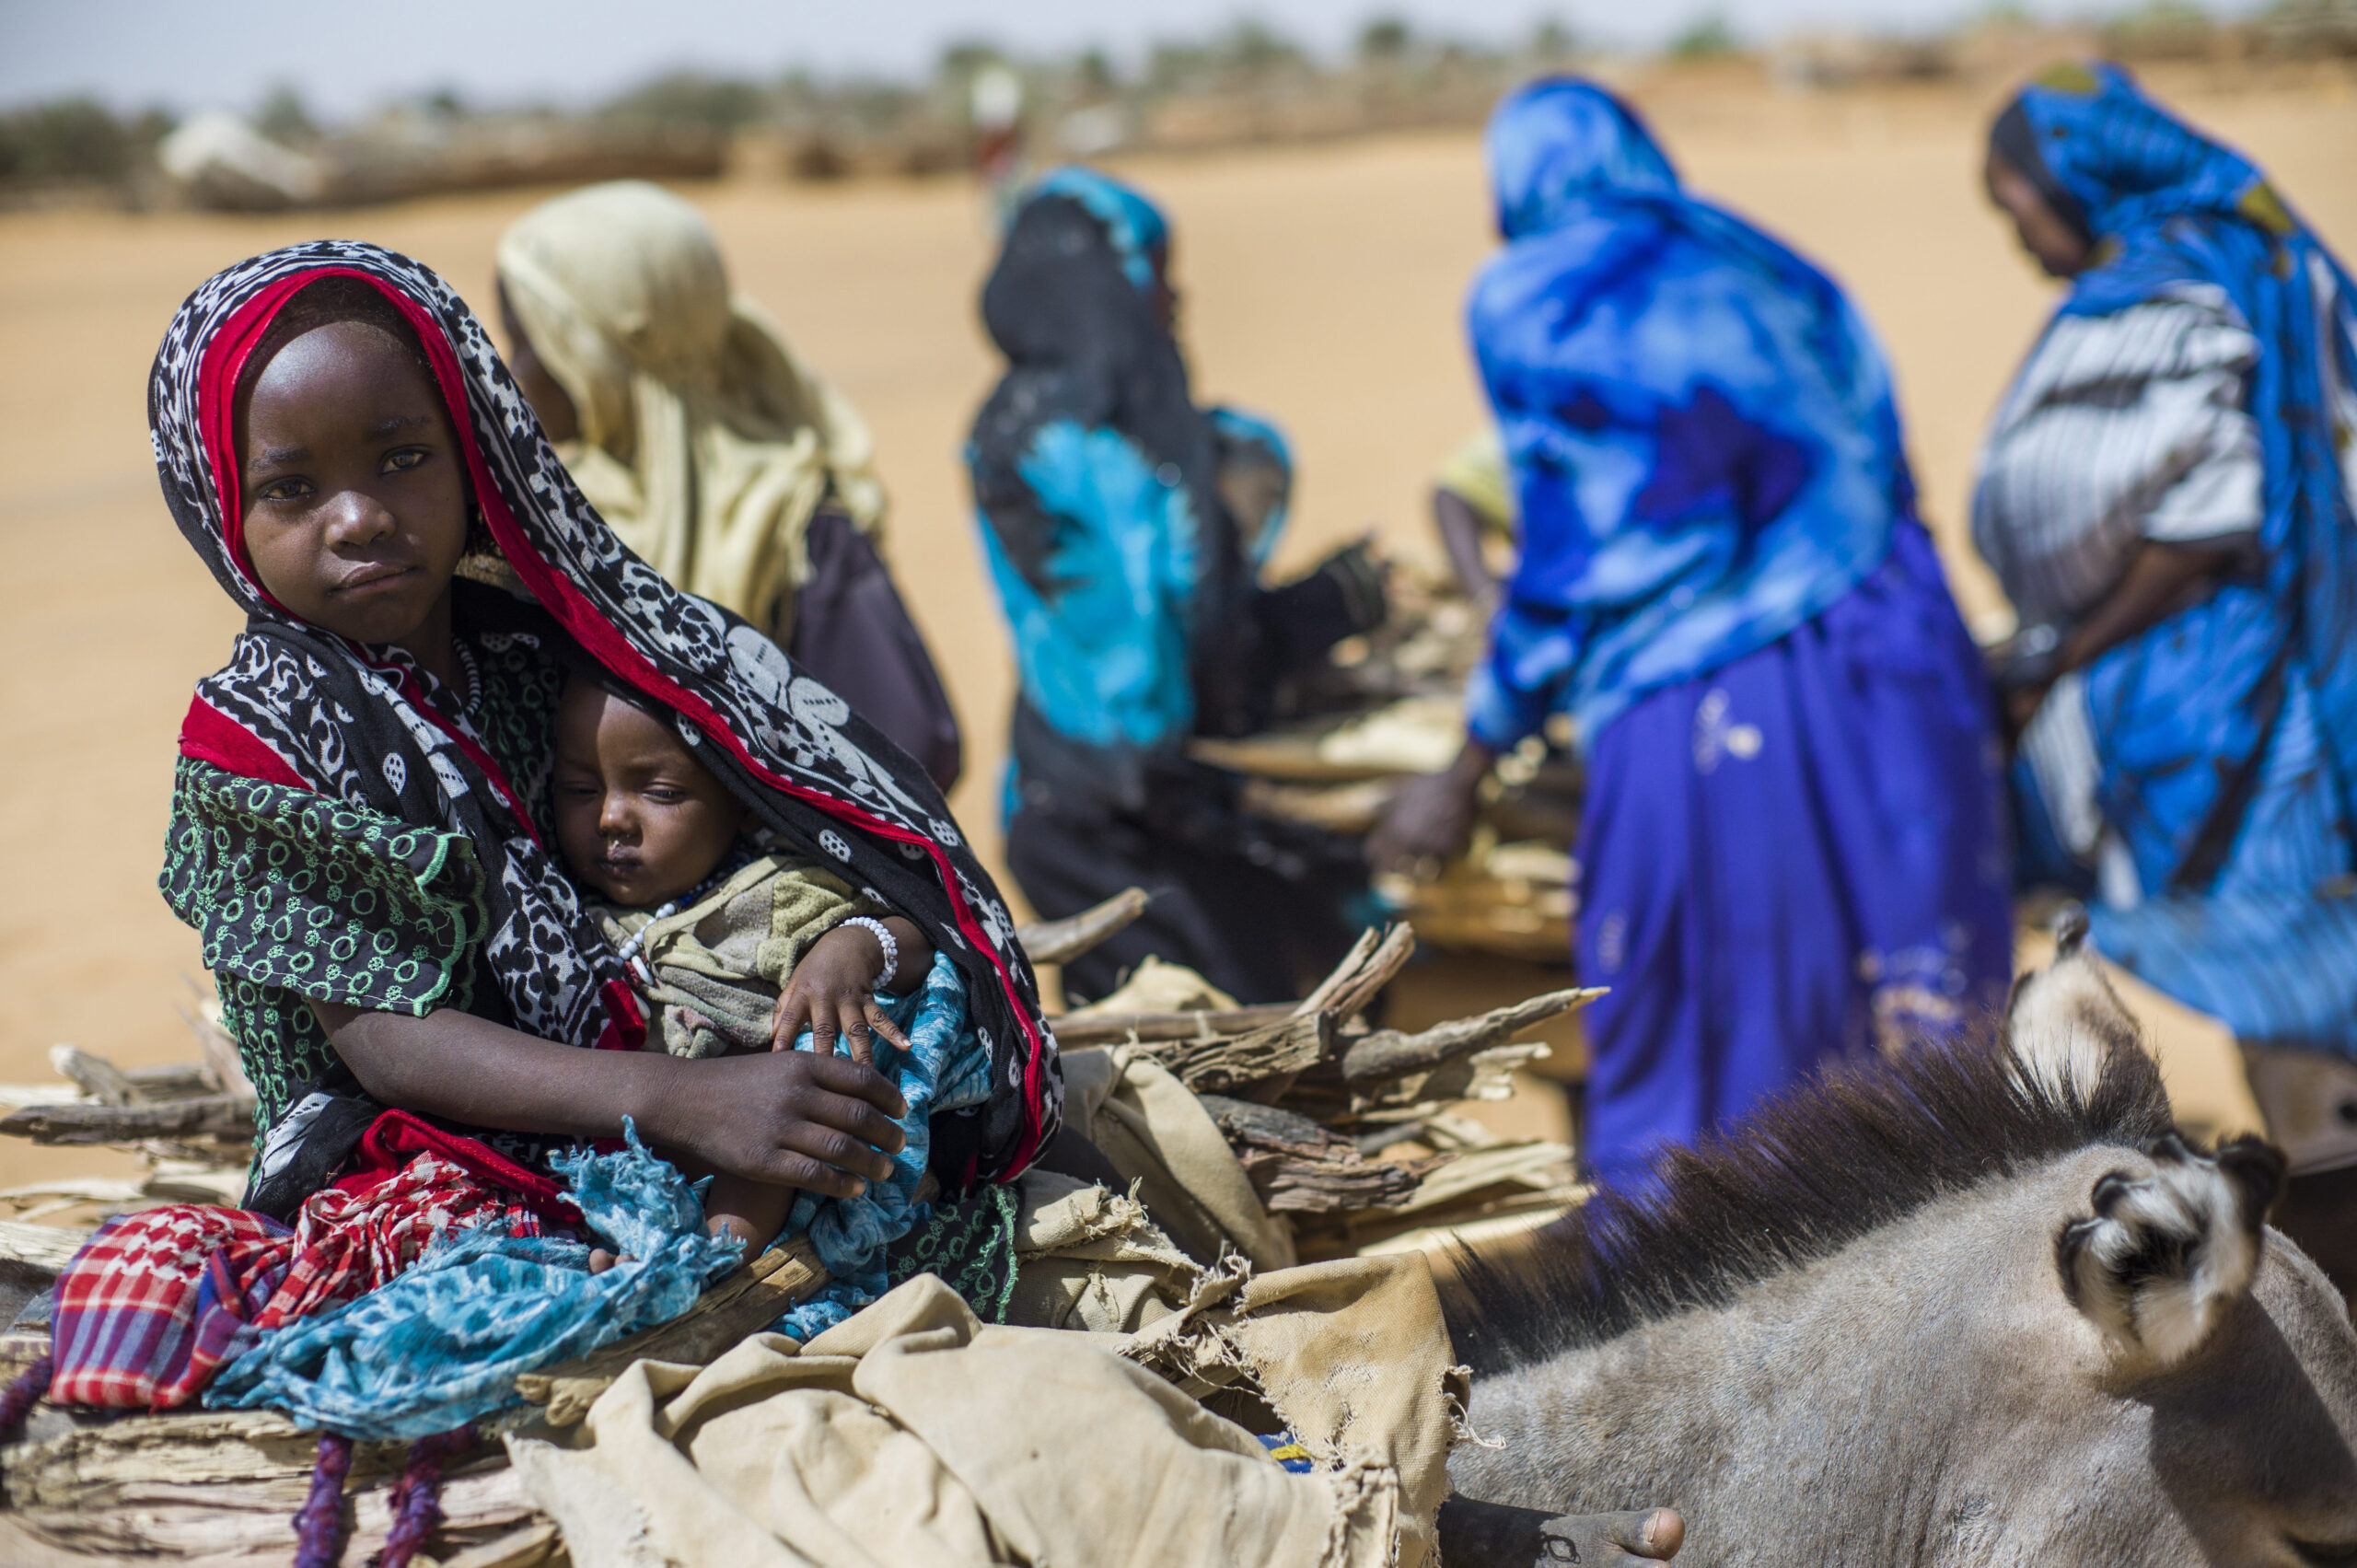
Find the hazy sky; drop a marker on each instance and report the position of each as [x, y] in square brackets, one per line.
[344, 58]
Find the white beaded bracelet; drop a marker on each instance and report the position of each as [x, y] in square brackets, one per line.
[884, 939]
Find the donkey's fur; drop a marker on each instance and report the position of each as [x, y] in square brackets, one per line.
[1981, 1306]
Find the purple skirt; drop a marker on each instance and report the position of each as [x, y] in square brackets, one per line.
[1795, 859]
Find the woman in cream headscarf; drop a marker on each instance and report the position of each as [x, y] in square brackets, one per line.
[713, 452]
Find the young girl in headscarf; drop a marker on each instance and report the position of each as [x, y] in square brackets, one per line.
[1125, 529]
[360, 824]
[727, 463]
[2166, 496]
[1790, 850]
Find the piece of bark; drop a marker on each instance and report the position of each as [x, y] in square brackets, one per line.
[1387, 1054]
[1080, 1031]
[46, 1246]
[94, 1075]
[206, 1116]
[162, 1511]
[1365, 970]
[1274, 1052]
[1060, 941]
[175, 1080]
[219, 1048]
[1296, 1167]
[742, 1305]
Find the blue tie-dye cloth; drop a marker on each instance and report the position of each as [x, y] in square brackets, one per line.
[1704, 446]
[945, 1067]
[2227, 733]
[441, 1345]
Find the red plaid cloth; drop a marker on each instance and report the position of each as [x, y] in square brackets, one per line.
[126, 1324]
[156, 1302]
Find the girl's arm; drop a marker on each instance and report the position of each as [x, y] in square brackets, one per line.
[795, 1118]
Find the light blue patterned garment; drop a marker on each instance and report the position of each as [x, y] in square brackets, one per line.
[946, 1067]
[1703, 443]
[440, 1345]
[1105, 659]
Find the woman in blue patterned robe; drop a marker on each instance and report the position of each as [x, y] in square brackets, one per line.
[1790, 850]
[2169, 494]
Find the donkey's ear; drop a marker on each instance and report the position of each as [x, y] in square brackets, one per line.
[2162, 1257]
[2065, 1022]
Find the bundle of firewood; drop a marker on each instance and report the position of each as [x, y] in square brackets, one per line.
[1344, 1128]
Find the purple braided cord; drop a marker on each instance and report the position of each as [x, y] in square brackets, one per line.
[319, 1524]
[18, 1403]
[416, 1503]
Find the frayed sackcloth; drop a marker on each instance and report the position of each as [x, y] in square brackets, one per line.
[705, 443]
[915, 1436]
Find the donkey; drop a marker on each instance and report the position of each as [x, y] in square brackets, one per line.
[1984, 1306]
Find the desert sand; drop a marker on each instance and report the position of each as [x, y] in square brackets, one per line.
[1322, 284]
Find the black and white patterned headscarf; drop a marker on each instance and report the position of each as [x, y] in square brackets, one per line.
[300, 707]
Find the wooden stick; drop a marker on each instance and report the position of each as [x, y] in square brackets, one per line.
[1387, 1054]
[1231, 1061]
[1059, 941]
[45, 1247]
[1367, 970]
[96, 1076]
[206, 1116]
[1081, 1031]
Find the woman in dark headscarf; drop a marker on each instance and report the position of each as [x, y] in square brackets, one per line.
[1125, 528]
[2166, 496]
[1790, 849]
[359, 818]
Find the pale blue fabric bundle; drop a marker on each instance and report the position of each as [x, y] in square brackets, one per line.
[945, 1067]
[441, 1345]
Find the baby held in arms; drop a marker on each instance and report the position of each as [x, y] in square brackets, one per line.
[732, 945]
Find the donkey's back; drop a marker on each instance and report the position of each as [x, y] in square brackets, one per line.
[1981, 1307]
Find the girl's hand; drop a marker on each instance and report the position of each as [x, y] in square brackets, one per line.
[831, 992]
[797, 1119]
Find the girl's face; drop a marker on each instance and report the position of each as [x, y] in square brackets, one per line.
[353, 484]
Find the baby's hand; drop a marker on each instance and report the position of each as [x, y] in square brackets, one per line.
[831, 993]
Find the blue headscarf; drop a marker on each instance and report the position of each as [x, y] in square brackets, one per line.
[1701, 426]
[2170, 207]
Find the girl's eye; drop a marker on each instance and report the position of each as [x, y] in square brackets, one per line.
[666, 795]
[284, 490]
[405, 459]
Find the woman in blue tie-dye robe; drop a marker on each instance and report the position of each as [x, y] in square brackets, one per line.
[1790, 850]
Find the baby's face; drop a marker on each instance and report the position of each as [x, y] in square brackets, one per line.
[639, 818]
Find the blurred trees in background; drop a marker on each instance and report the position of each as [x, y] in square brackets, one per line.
[1245, 81]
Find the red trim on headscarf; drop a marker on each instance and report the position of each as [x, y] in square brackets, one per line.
[562, 599]
[625, 1025]
[216, 408]
[208, 734]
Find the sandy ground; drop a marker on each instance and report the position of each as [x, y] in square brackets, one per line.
[1321, 283]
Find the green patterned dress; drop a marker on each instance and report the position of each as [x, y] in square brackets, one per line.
[301, 897]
